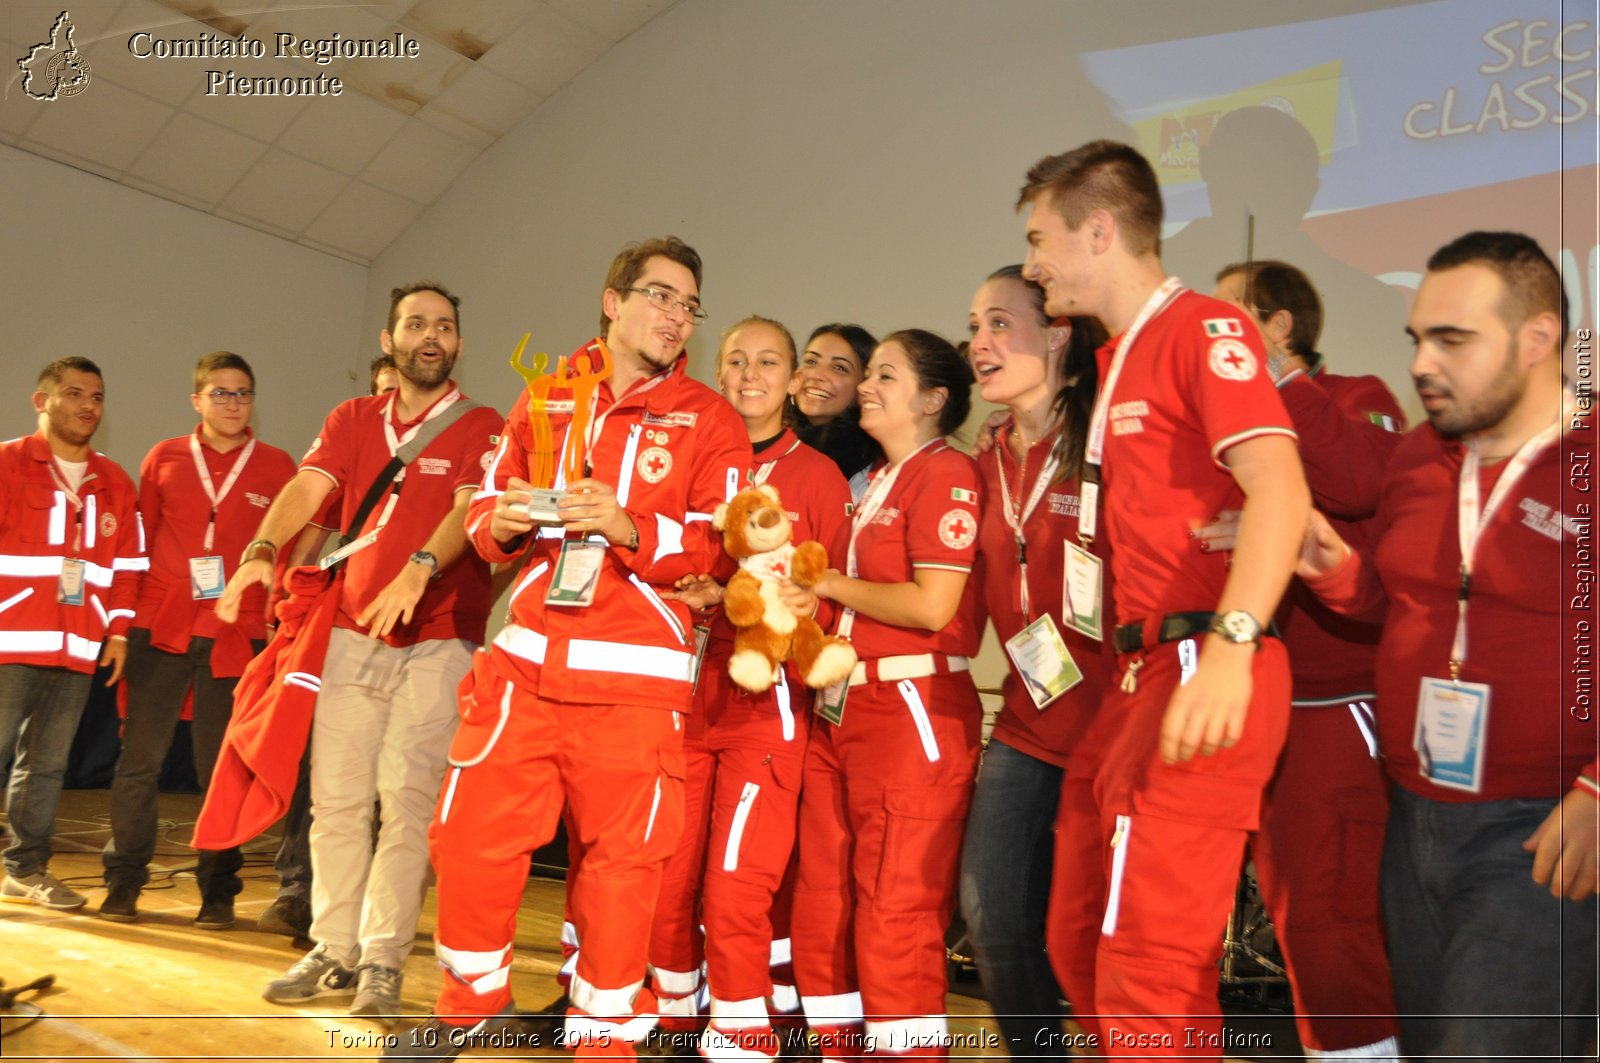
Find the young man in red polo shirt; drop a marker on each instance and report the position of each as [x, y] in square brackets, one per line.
[201, 496]
[414, 601]
[1187, 423]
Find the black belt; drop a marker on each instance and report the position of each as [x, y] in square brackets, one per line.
[1174, 627]
[1130, 638]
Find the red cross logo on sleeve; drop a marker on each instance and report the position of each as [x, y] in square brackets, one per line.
[1231, 360]
[957, 529]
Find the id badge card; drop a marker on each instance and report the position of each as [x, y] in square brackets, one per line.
[702, 638]
[830, 702]
[1042, 660]
[1452, 722]
[1080, 591]
[205, 578]
[577, 574]
[69, 588]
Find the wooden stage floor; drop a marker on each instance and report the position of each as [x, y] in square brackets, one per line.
[161, 989]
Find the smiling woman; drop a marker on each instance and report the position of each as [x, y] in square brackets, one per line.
[834, 362]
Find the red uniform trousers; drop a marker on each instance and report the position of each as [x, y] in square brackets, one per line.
[734, 856]
[882, 810]
[1171, 840]
[1317, 855]
[676, 942]
[516, 759]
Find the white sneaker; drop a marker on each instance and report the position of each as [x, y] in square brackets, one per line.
[41, 888]
[316, 974]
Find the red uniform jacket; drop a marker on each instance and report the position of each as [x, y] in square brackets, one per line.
[272, 708]
[674, 449]
[38, 528]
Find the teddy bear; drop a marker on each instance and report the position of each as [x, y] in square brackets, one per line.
[756, 532]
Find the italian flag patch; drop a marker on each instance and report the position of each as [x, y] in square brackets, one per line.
[1383, 421]
[1223, 326]
[961, 494]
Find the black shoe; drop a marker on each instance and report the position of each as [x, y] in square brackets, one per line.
[121, 904]
[289, 916]
[548, 1021]
[216, 914]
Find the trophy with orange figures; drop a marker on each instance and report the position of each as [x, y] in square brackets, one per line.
[579, 375]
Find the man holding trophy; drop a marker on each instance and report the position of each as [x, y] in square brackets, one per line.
[614, 464]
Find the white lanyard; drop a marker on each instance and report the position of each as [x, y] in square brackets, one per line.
[1009, 509]
[73, 497]
[1094, 452]
[212, 493]
[872, 500]
[397, 441]
[597, 424]
[764, 470]
[1471, 522]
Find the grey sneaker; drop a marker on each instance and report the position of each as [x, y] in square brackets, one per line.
[41, 888]
[377, 994]
[317, 974]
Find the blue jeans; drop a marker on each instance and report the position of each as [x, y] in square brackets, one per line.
[1005, 889]
[39, 713]
[1486, 964]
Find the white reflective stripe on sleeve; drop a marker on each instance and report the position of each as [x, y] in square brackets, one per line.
[675, 983]
[568, 966]
[304, 680]
[897, 1035]
[569, 934]
[1364, 720]
[919, 716]
[655, 806]
[785, 998]
[741, 815]
[669, 538]
[657, 662]
[130, 564]
[82, 648]
[57, 533]
[91, 522]
[629, 452]
[718, 1047]
[94, 600]
[694, 518]
[30, 641]
[120, 612]
[785, 713]
[597, 1001]
[739, 1014]
[1119, 860]
[842, 1009]
[522, 642]
[782, 952]
[15, 598]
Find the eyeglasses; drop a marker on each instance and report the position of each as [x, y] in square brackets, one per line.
[669, 302]
[222, 396]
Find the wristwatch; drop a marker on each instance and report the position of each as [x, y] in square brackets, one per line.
[422, 557]
[1237, 626]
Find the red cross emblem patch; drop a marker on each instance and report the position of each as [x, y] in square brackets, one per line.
[655, 463]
